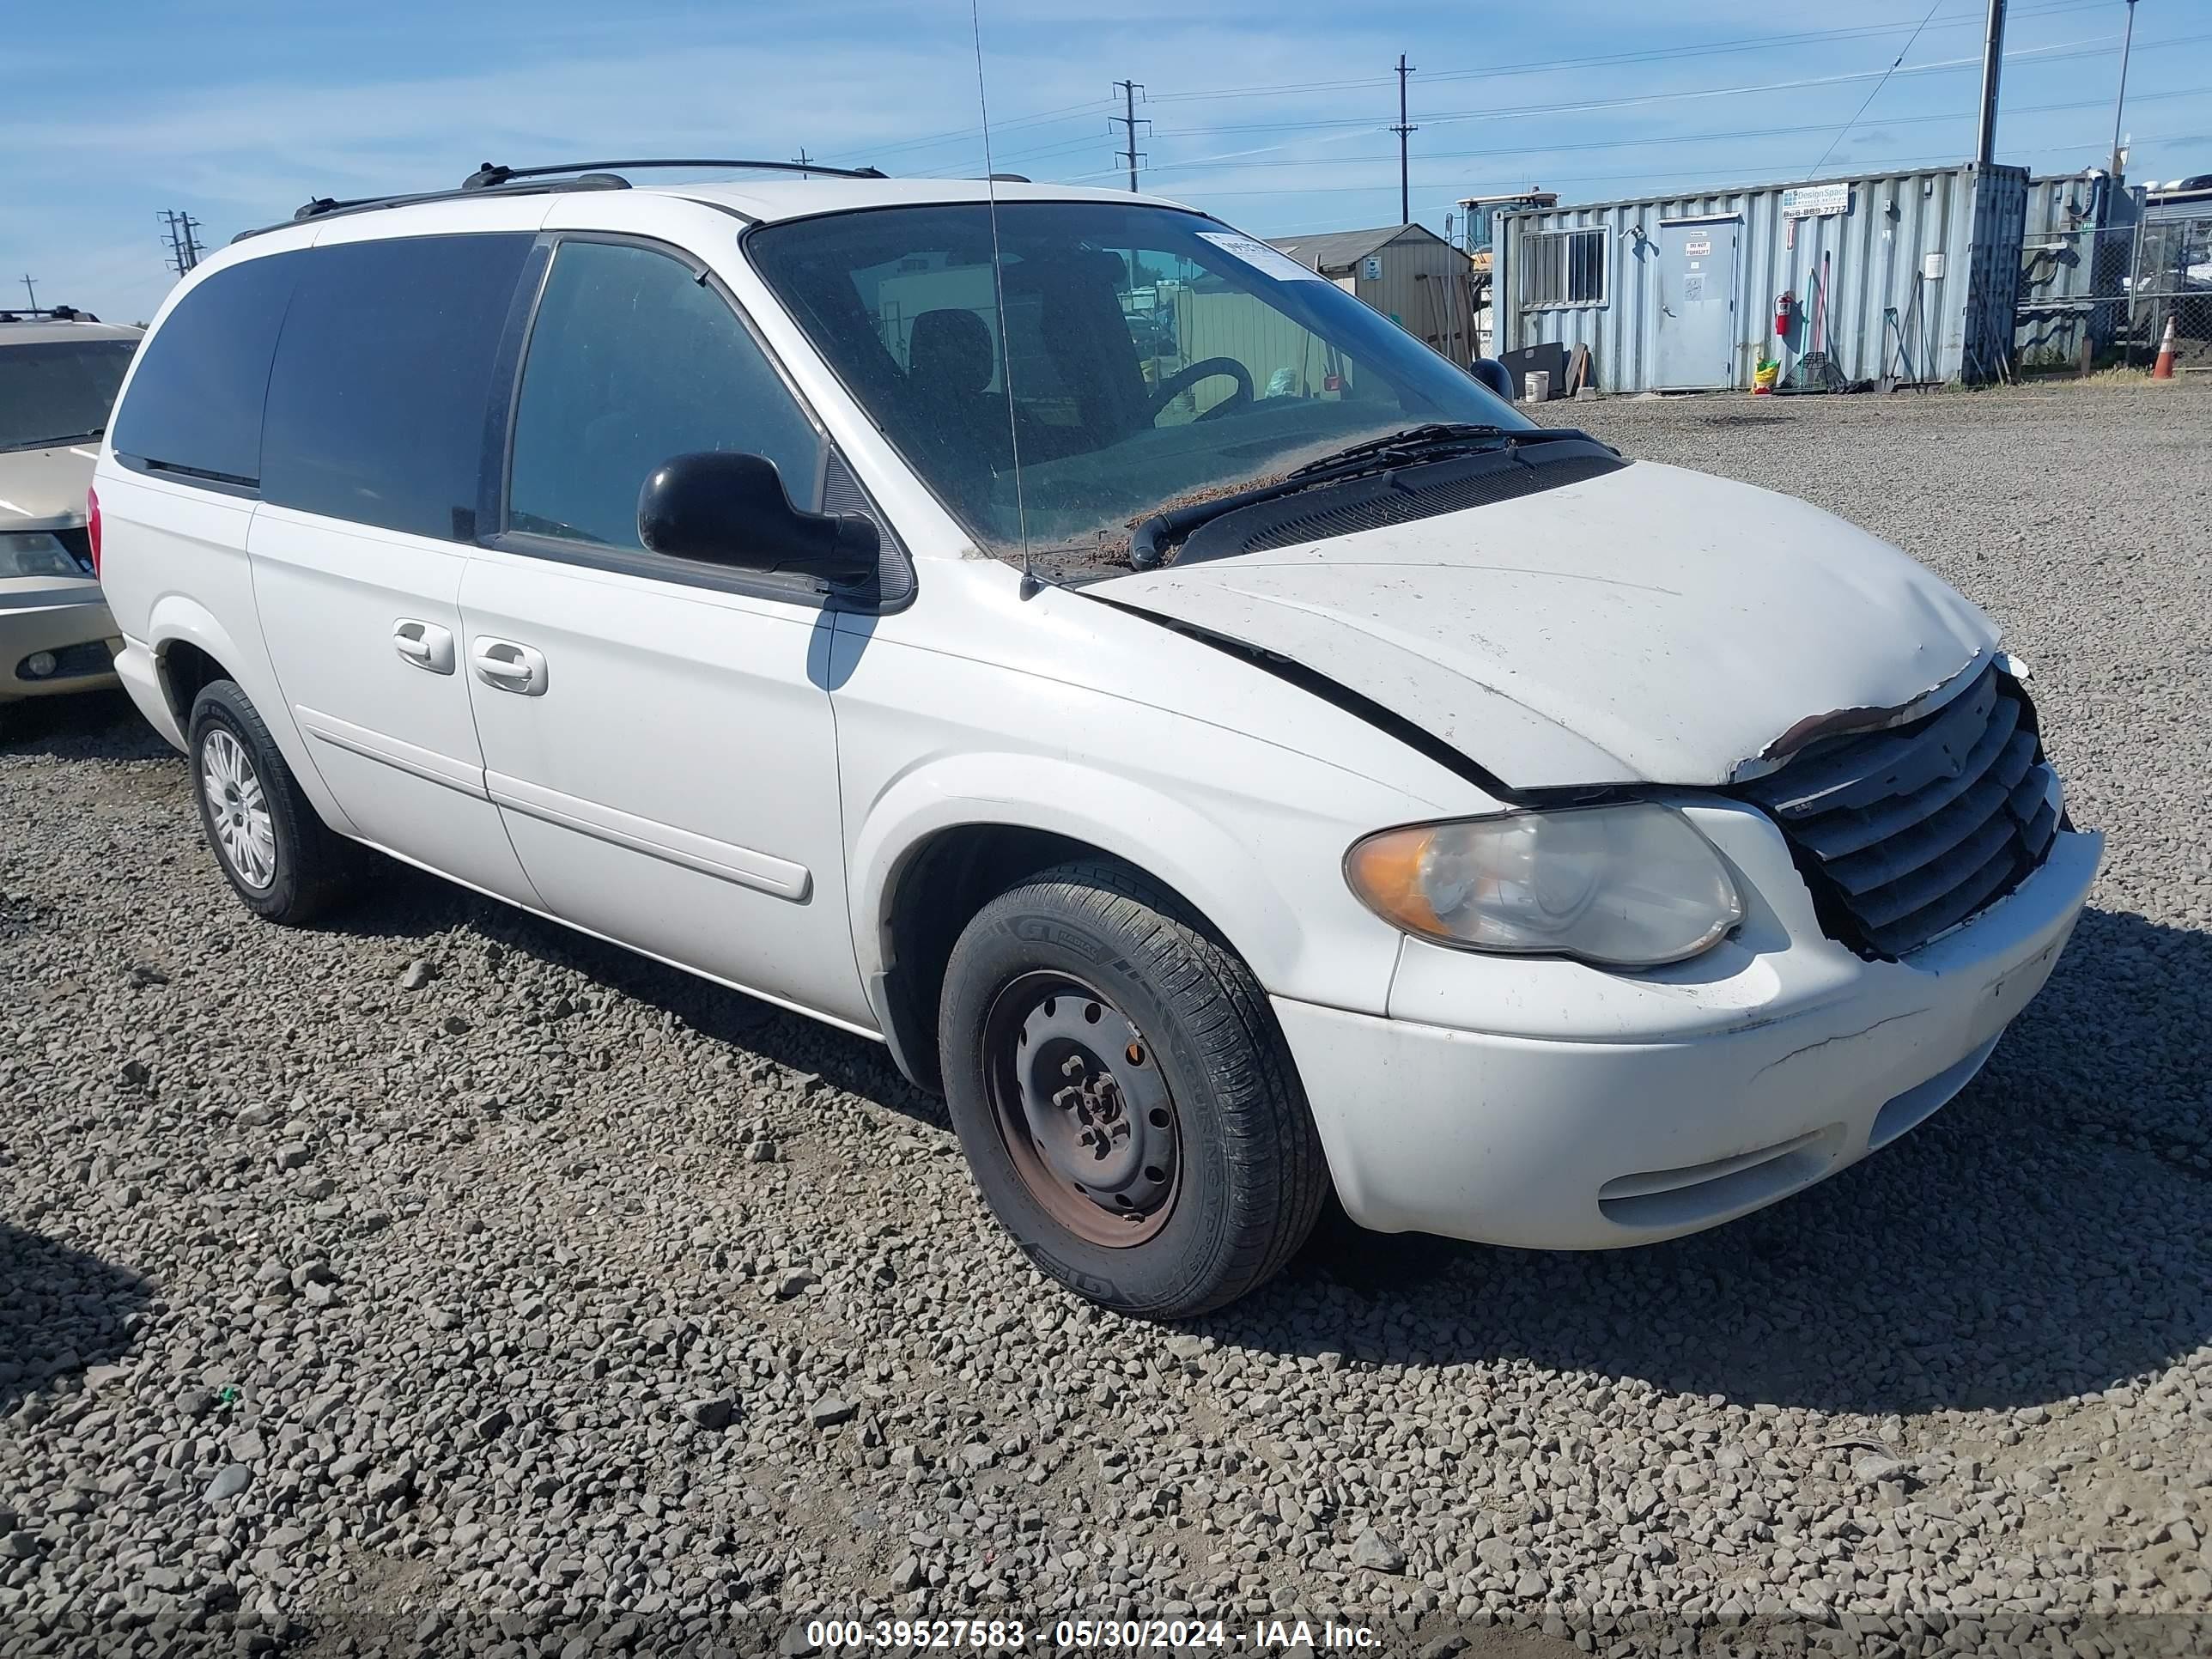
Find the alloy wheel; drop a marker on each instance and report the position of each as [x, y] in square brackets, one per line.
[238, 808]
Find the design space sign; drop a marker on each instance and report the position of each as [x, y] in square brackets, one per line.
[1815, 200]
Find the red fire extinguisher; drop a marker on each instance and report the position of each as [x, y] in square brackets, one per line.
[1785, 306]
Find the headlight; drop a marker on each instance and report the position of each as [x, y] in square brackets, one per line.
[1629, 886]
[35, 553]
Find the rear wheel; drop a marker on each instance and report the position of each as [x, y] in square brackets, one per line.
[1123, 1096]
[278, 854]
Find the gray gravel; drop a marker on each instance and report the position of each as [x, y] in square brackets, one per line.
[445, 1282]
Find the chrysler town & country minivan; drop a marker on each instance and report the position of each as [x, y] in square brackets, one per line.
[1232, 754]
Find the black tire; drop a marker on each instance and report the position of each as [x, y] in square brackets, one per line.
[1249, 1176]
[311, 866]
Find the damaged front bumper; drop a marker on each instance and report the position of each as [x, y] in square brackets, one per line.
[1551, 1106]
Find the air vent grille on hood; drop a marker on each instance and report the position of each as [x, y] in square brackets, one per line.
[1399, 497]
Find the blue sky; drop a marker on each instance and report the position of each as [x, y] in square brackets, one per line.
[1271, 112]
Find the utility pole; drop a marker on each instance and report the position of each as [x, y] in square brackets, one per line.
[1405, 188]
[33, 292]
[2120, 104]
[1127, 122]
[184, 248]
[1986, 143]
[802, 158]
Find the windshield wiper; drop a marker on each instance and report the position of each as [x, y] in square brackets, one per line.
[56, 440]
[1426, 441]
[1151, 538]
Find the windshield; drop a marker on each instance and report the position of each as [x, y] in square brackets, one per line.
[54, 391]
[1157, 358]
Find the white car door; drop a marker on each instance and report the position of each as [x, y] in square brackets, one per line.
[657, 732]
[372, 466]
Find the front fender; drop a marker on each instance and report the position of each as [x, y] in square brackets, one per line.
[1267, 891]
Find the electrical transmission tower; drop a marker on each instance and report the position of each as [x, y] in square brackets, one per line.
[184, 247]
[1128, 123]
[1405, 190]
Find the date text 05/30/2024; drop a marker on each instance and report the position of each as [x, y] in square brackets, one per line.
[1089, 1635]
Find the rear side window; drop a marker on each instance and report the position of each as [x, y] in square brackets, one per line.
[377, 401]
[633, 359]
[194, 406]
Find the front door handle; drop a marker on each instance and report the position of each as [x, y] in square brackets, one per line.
[508, 666]
[424, 644]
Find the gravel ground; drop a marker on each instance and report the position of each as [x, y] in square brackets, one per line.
[441, 1282]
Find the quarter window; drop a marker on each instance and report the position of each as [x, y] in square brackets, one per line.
[1563, 268]
[634, 358]
[378, 398]
[194, 406]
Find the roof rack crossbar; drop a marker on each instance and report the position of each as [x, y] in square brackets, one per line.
[490, 174]
[54, 313]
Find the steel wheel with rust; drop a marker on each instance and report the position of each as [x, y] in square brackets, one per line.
[1083, 1110]
[1123, 1096]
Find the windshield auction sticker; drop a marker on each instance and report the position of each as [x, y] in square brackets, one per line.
[1257, 254]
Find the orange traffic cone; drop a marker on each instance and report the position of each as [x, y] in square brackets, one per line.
[2163, 369]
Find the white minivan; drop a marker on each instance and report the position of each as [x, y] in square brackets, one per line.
[1229, 751]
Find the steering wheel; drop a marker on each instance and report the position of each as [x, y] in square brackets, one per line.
[1204, 368]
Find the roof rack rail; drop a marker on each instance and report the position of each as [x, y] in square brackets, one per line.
[490, 175]
[491, 179]
[47, 313]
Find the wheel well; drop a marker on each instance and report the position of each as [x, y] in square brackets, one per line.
[954, 874]
[185, 669]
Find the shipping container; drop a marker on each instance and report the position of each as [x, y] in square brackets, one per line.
[1912, 275]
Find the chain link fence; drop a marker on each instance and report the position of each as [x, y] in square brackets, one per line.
[2171, 279]
[2094, 295]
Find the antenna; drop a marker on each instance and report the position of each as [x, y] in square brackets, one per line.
[1030, 583]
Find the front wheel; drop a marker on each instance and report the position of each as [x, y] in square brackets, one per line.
[1123, 1096]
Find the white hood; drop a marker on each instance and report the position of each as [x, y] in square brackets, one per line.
[42, 488]
[1652, 625]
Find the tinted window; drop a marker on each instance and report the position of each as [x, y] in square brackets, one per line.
[195, 403]
[633, 360]
[376, 405]
[58, 391]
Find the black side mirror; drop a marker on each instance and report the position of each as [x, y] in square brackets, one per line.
[722, 508]
[1498, 378]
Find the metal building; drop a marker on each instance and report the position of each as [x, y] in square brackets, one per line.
[1408, 272]
[1912, 275]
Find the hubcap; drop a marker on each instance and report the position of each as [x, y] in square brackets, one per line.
[238, 808]
[1085, 1115]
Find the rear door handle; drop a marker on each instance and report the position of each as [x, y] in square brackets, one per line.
[424, 644]
[508, 666]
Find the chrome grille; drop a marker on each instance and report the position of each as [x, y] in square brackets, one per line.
[1905, 833]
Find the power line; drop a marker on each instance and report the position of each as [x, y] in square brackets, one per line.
[1655, 54]
[1646, 141]
[2075, 49]
[1876, 93]
[1440, 186]
[1128, 121]
[1739, 44]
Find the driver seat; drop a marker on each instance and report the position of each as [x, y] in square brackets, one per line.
[951, 364]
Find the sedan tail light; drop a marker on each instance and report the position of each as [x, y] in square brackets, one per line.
[92, 526]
